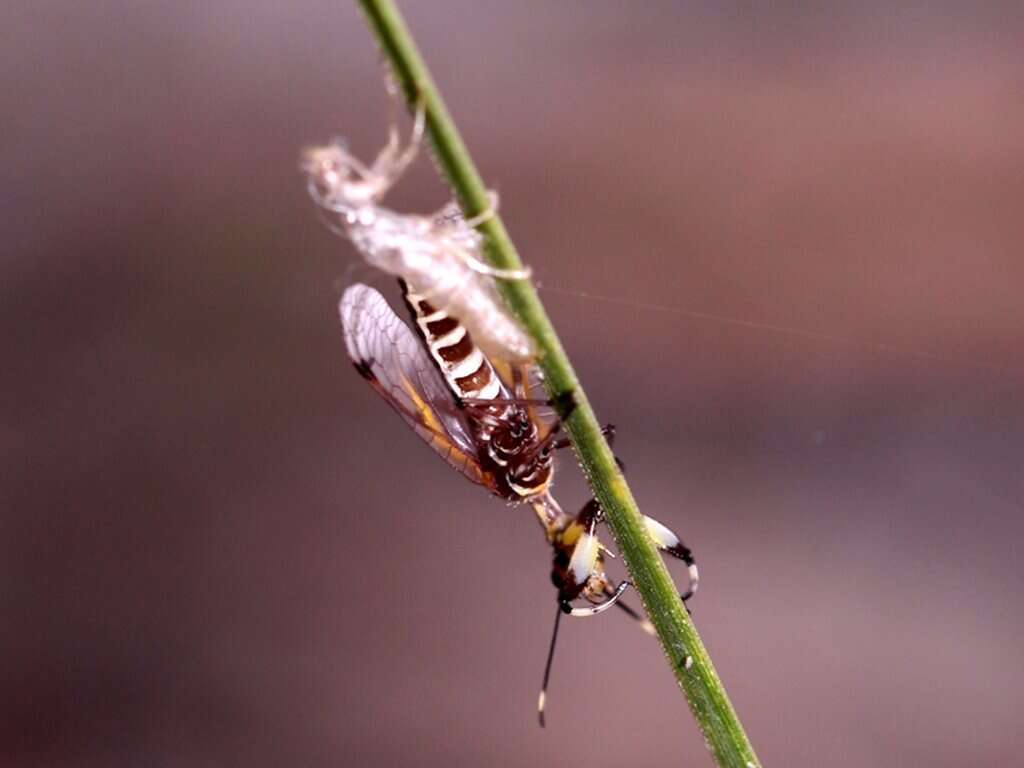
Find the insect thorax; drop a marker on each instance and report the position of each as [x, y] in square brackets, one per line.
[515, 446]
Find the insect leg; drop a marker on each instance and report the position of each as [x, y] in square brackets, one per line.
[492, 208]
[483, 402]
[394, 142]
[392, 160]
[565, 403]
[546, 443]
[482, 267]
[645, 625]
[419, 126]
[467, 245]
[593, 610]
[667, 541]
[608, 430]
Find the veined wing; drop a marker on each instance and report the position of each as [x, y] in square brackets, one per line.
[390, 356]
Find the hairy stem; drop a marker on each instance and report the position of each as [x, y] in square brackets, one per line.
[686, 654]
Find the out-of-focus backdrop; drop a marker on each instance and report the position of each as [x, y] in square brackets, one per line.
[219, 547]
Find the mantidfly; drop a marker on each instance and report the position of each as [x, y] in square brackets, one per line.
[440, 255]
[480, 417]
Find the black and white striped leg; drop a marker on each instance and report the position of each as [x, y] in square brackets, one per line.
[667, 541]
[593, 610]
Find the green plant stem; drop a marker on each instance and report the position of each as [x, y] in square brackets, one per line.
[722, 730]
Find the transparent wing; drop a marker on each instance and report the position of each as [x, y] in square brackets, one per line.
[390, 356]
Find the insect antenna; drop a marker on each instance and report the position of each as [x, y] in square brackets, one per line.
[542, 699]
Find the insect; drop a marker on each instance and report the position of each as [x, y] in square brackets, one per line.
[485, 425]
[439, 254]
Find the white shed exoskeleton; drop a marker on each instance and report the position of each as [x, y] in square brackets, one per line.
[439, 256]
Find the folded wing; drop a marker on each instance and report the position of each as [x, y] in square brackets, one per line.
[391, 357]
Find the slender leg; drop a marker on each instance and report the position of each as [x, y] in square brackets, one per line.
[483, 268]
[419, 127]
[608, 430]
[593, 610]
[451, 215]
[492, 209]
[482, 402]
[392, 161]
[667, 541]
[545, 444]
[645, 625]
[555, 402]
[391, 149]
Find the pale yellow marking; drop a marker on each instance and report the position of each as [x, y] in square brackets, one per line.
[584, 558]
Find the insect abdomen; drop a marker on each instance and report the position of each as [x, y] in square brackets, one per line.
[464, 367]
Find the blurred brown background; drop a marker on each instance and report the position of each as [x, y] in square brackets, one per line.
[220, 548]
